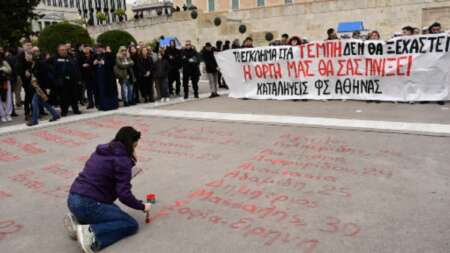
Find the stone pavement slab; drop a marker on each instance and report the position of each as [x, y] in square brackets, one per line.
[386, 111]
[238, 187]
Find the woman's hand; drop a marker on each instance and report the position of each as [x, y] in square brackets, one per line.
[148, 207]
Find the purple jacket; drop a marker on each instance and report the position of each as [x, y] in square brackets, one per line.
[107, 175]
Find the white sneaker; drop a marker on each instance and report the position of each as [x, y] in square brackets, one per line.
[86, 238]
[3, 119]
[8, 118]
[167, 99]
[71, 223]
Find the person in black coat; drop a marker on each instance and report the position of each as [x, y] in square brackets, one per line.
[144, 75]
[161, 70]
[191, 69]
[87, 75]
[66, 77]
[174, 56]
[105, 79]
[211, 68]
[24, 68]
[134, 54]
[40, 83]
[11, 58]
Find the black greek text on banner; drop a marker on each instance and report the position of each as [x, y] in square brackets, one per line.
[415, 68]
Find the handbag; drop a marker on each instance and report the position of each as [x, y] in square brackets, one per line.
[41, 94]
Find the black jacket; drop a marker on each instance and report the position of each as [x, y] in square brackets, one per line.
[87, 71]
[191, 61]
[41, 70]
[144, 65]
[210, 60]
[65, 71]
[161, 68]
[174, 56]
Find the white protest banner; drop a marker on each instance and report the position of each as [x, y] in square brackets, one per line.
[412, 68]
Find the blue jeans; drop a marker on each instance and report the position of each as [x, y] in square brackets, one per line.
[37, 102]
[127, 91]
[107, 221]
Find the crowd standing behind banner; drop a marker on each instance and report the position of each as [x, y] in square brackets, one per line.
[89, 76]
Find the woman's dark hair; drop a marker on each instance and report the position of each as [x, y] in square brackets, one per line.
[299, 41]
[128, 136]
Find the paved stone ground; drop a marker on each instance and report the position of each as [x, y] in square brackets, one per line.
[243, 187]
[429, 113]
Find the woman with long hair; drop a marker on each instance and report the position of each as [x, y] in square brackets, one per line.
[125, 73]
[144, 74]
[94, 219]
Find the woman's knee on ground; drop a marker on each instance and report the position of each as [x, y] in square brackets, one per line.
[132, 225]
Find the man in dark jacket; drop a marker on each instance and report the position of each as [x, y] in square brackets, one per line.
[24, 72]
[191, 69]
[173, 54]
[65, 77]
[161, 70]
[211, 68]
[40, 83]
[87, 75]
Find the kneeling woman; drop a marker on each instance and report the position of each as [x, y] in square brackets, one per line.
[94, 219]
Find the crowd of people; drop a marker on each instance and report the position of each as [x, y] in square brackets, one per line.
[90, 76]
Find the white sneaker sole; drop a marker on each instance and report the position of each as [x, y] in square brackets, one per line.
[86, 248]
[71, 226]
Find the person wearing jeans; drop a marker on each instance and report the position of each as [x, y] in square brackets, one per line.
[108, 222]
[125, 73]
[36, 103]
[127, 92]
[211, 68]
[40, 97]
[94, 219]
[6, 103]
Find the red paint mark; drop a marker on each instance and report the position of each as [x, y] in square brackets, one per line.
[58, 192]
[151, 143]
[4, 195]
[9, 141]
[57, 170]
[29, 148]
[334, 225]
[8, 227]
[57, 139]
[77, 133]
[271, 157]
[8, 157]
[203, 135]
[28, 180]
[247, 228]
[82, 158]
[185, 154]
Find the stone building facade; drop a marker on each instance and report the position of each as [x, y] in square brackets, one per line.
[49, 15]
[307, 18]
[88, 9]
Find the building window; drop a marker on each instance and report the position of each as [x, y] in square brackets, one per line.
[260, 3]
[288, 1]
[235, 4]
[188, 2]
[211, 5]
